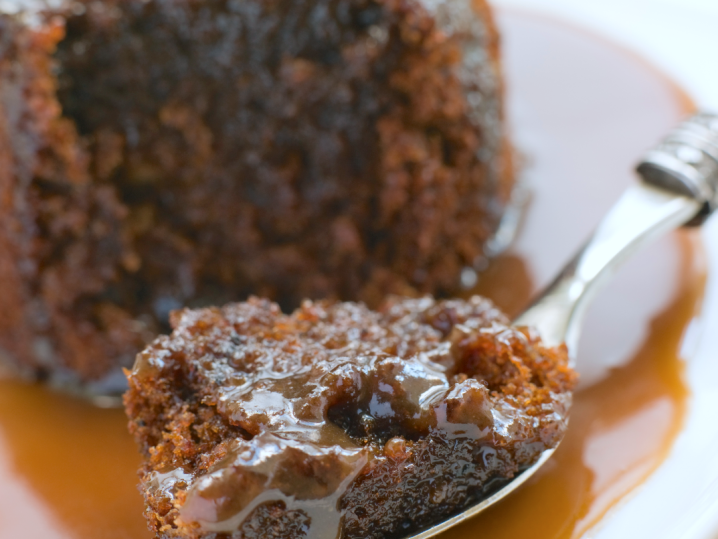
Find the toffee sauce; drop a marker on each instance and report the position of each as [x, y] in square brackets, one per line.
[583, 111]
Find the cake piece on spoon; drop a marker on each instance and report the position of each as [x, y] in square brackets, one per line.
[336, 420]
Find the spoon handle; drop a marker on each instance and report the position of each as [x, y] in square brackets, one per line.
[680, 176]
[642, 213]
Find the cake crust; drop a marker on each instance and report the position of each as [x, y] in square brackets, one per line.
[337, 420]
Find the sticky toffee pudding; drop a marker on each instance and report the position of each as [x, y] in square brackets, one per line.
[59, 490]
[339, 421]
[164, 153]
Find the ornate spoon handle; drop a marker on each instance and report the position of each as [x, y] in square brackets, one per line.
[679, 176]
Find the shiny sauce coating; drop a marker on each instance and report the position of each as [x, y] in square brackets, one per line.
[337, 420]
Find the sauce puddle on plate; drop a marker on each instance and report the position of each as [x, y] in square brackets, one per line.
[583, 111]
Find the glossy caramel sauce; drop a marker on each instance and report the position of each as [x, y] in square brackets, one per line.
[583, 111]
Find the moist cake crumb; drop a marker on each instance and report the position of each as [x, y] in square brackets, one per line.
[165, 153]
[338, 420]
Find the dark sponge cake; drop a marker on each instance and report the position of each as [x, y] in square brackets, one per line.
[62, 237]
[338, 421]
[161, 153]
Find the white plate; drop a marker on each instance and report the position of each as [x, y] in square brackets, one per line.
[680, 500]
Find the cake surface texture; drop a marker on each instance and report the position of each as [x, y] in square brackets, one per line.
[336, 420]
[164, 153]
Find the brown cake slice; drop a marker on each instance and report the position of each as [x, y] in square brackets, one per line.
[336, 420]
[164, 153]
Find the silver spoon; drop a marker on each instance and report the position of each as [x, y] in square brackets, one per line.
[679, 187]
